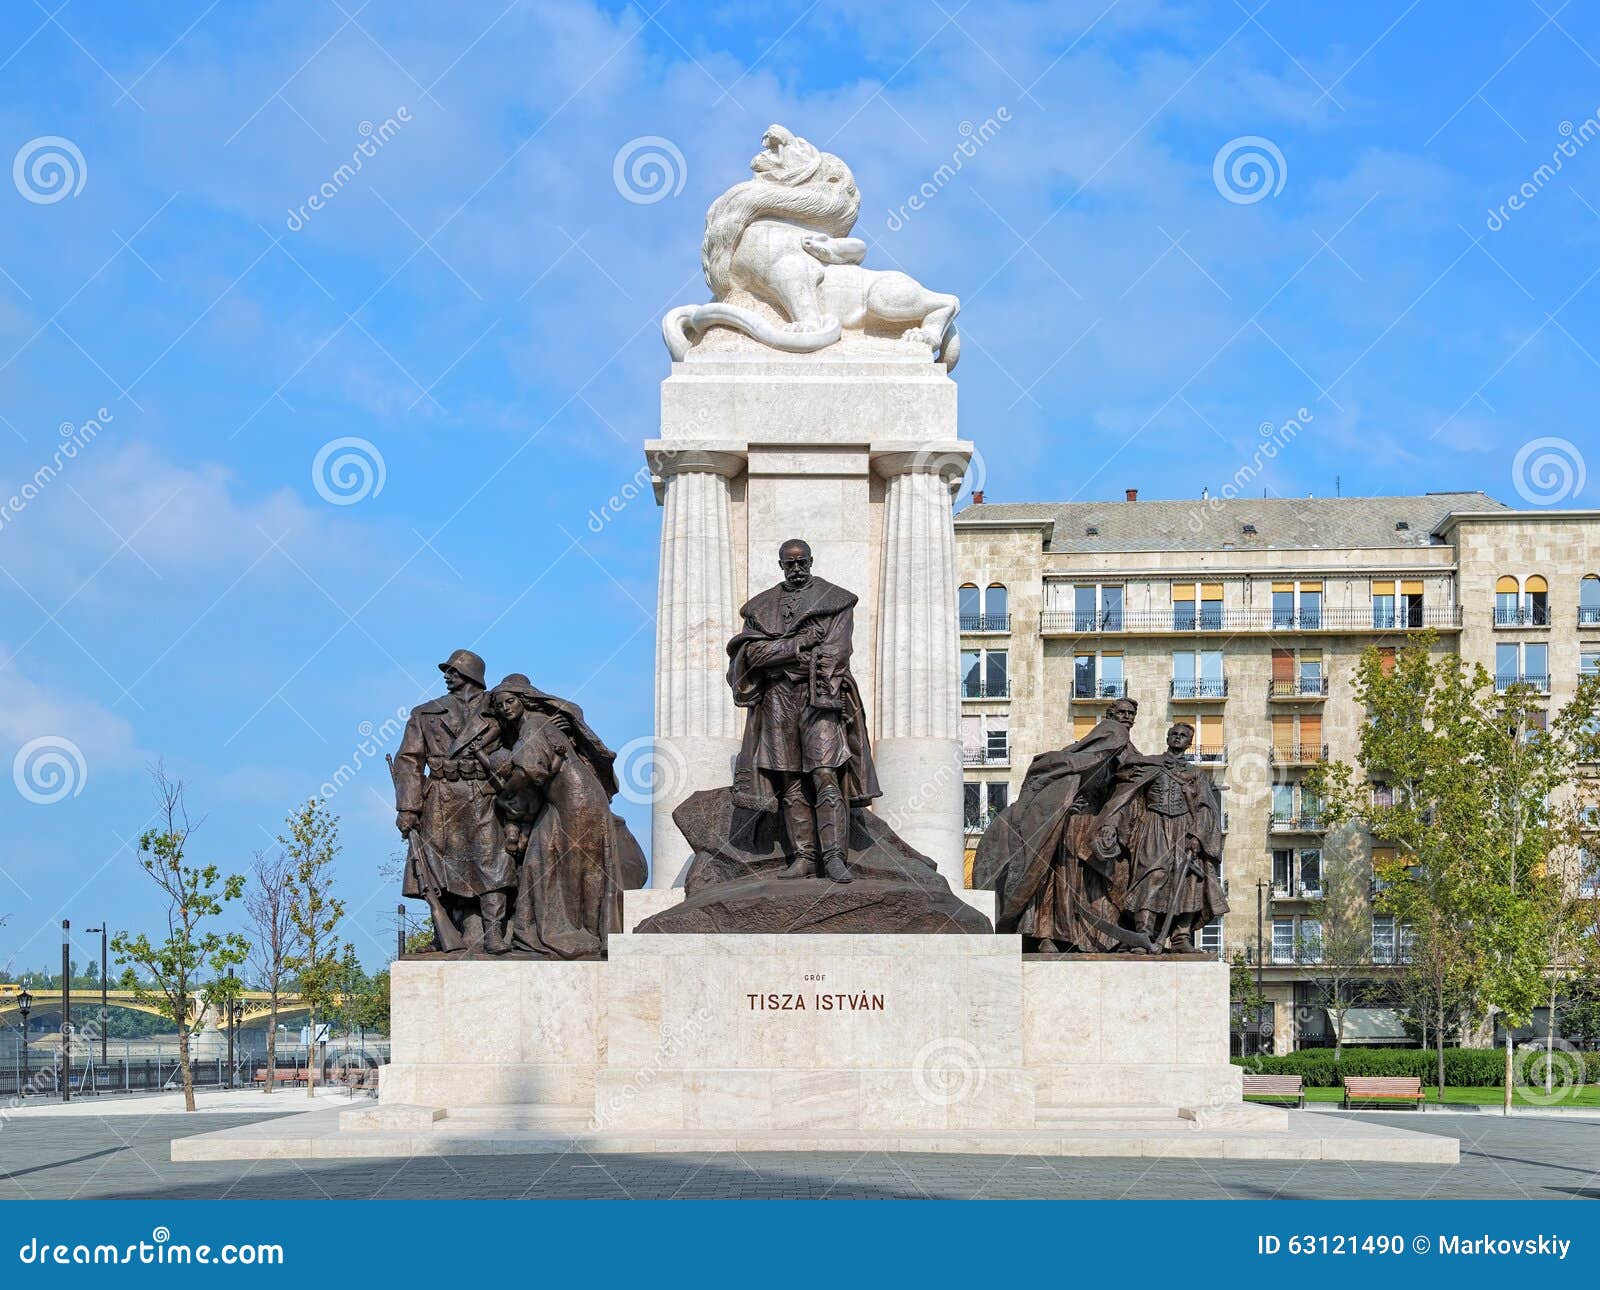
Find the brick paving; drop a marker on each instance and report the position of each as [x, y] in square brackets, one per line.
[126, 1157]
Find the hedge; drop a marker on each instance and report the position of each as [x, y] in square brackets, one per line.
[1463, 1067]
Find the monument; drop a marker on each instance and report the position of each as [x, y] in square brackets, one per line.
[806, 971]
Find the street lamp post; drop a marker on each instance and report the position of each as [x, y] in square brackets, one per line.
[105, 1005]
[227, 1017]
[24, 1006]
[400, 932]
[66, 1009]
[236, 1009]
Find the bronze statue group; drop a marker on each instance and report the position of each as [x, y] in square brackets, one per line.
[504, 798]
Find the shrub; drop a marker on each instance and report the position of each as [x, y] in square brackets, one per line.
[1463, 1067]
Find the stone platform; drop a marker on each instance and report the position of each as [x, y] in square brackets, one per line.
[811, 1043]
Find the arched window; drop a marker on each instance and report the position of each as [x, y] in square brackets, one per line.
[1589, 600]
[1507, 600]
[1536, 601]
[969, 606]
[996, 610]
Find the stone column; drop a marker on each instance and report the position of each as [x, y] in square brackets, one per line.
[917, 734]
[697, 731]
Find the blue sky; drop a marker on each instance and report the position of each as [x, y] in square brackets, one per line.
[480, 304]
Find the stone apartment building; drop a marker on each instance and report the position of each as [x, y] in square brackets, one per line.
[1246, 618]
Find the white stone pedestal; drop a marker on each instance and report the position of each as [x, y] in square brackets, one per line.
[928, 1043]
[857, 453]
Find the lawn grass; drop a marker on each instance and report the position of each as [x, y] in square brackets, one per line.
[1588, 1095]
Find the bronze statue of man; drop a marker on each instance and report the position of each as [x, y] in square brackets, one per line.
[445, 809]
[1055, 875]
[1166, 812]
[805, 748]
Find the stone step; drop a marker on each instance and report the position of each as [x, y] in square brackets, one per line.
[1167, 1117]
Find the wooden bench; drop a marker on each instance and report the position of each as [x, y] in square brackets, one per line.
[1384, 1088]
[1291, 1087]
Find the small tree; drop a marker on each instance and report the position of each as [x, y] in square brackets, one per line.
[1345, 946]
[311, 845]
[175, 974]
[267, 904]
[1245, 996]
[1482, 784]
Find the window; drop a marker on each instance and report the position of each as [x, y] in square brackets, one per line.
[1382, 605]
[1310, 940]
[996, 608]
[1589, 600]
[1589, 662]
[1524, 606]
[1210, 939]
[1283, 605]
[969, 607]
[1386, 658]
[1536, 602]
[983, 674]
[980, 803]
[1310, 675]
[1208, 741]
[1311, 873]
[1311, 604]
[1083, 723]
[1282, 802]
[1536, 665]
[1198, 675]
[1183, 606]
[1507, 600]
[1296, 605]
[1282, 874]
[1283, 940]
[1588, 873]
[1211, 606]
[997, 796]
[1383, 938]
[1097, 608]
[1507, 665]
[985, 740]
[1411, 604]
[1098, 676]
[985, 611]
[1408, 942]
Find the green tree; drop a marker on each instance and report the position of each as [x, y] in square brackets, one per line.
[1483, 781]
[1343, 952]
[311, 846]
[175, 974]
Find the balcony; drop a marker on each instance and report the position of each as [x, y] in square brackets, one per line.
[1299, 754]
[1209, 754]
[985, 756]
[1589, 616]
[1199, 691]
[1523, 616]
[1361, 621]
[1298, 891]
[1099, 691]
[1537, 681]
[1309, 689]
[986, 689]
[977, 825]
[1297, 824]
[985, 622]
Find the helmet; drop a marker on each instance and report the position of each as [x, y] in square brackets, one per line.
[467, 663]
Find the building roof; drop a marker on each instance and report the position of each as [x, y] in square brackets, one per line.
[1195, 524]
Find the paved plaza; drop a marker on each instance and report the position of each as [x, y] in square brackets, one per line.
[127, 1157]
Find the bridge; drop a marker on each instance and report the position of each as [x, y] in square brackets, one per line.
[86, 1001]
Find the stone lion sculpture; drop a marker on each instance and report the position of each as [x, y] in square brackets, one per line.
[783, 238]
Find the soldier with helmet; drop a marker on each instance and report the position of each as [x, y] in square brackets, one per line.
[445, 803]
